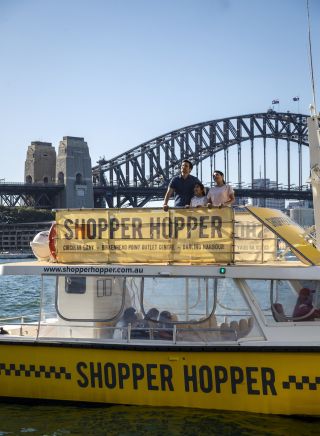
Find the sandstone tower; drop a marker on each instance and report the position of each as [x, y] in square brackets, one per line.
[73, 168]
[40, 164]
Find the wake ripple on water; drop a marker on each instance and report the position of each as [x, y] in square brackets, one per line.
[132, 420]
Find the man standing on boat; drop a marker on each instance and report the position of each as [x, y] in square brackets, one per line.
[182, 186]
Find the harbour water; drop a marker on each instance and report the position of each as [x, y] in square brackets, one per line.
[21, 297]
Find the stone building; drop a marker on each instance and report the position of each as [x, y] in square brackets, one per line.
[72, 167]
[40, 164]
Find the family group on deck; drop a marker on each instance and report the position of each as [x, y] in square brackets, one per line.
[189, 191]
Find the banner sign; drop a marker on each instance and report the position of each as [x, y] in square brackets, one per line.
[289, 231]
[145, 236]
[254, 242]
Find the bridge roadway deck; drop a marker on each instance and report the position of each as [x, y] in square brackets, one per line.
[159, 192]
[44, 194]
[12, 188]
[38, 195]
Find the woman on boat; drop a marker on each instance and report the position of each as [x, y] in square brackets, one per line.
[304, 308]
[220, 194]
[199, 199]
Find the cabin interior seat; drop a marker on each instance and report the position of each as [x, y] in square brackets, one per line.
[227, 333]
[208, 322]
[236, 329]
[174, 317]
[234, 325]
[279, 315]
[278, 312]
[197, 331]
[245, 326]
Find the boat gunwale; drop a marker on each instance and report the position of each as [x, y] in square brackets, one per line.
[236, 347]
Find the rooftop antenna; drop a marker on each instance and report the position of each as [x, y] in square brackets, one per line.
[314, 109]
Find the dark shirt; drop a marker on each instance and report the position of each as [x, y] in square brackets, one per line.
[183, 189]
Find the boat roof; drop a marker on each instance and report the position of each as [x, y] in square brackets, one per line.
[276, 270]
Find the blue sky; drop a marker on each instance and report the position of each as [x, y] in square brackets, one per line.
[120, 72]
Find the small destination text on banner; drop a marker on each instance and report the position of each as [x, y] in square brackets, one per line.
[145, 235]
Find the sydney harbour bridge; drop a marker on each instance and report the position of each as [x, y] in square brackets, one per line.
[270, 148]
[263, 155]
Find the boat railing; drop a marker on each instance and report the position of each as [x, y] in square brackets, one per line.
[130, 334]
[20, 325]
[13, 318]
[175, 333]
[178, 334]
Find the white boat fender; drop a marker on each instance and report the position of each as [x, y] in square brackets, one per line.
[40, 246]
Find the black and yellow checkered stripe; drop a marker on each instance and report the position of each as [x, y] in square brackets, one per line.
[301, 383]
[34, 371]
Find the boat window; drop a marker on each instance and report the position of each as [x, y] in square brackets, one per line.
[48, 297]
[186, 299]
[104, 287]
[157, 308]
[90, 298]
[231, 305]
[75, 285]
[202, 309]
[195, 299]
[287, 300]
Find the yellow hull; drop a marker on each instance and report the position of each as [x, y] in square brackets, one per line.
[274, 382]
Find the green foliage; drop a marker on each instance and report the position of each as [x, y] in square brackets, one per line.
[11, 215]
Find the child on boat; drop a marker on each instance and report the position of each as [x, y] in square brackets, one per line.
[199, 199]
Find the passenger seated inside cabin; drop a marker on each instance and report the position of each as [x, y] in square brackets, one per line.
[228, 332]
[129, 317]
[166, 326]
[143, 328]
[304, 309]
[152, 315]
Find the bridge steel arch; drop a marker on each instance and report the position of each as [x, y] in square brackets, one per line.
[142, 173]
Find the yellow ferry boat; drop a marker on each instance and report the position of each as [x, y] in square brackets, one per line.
[189, 308]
